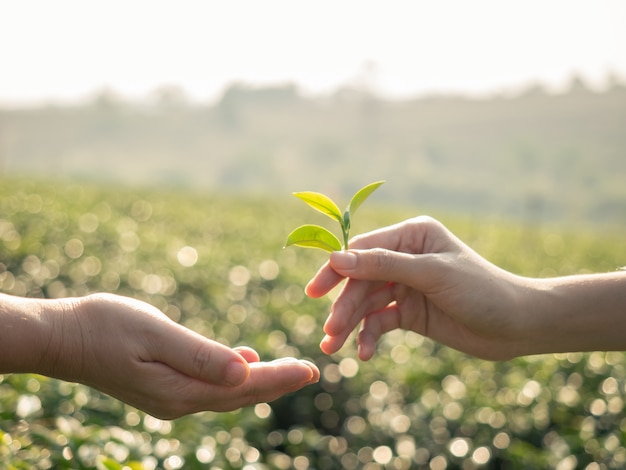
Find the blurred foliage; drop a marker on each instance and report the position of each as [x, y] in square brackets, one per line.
[530, 156]
[215, 263]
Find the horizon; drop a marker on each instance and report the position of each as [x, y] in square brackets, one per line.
[152, 97]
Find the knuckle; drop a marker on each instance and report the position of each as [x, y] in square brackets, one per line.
[202, 360]
[422, 222]
[383, 259]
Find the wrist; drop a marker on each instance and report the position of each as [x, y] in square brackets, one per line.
[521, 321]
[536, 308]
[39, 336]
[62, 357]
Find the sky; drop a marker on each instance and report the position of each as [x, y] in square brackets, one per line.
[68, 50]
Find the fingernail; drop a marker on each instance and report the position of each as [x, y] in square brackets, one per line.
[343, 260]
[236, 373]
[315, 372]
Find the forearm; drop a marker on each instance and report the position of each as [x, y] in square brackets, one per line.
[26, 334]
[576, 313]
[22, 334]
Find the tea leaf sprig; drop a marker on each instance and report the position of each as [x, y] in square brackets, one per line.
[315, 236]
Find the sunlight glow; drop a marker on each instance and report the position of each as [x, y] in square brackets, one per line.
[396, 49]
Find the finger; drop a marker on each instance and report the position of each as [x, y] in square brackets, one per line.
[343, 320]
[373, 327]
[327, 277]
[249, 354]
[332, 344]
[384, 265]
[269, 381]
[167, 393]
[420, 234]
[323, 282]
[354, 302]
[200, 358]
[408, 236]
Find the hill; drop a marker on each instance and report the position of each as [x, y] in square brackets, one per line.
[535, 156]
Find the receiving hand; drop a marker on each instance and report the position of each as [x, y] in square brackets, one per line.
[132, 351]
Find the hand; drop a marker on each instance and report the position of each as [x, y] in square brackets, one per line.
[418, 276]
[132, 351]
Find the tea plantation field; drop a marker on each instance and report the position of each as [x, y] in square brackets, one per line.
[216, 264]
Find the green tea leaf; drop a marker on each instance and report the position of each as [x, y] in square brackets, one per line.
[322, 203]
[314, 236]
[362, 194]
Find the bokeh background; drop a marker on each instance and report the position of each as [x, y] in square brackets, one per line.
[150, 149]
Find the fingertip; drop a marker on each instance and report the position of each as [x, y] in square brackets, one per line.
[323, 282]
[324, 346]
[326, 327]
[236, 373]
[310, 289]
[366, 347]
[365, 353]
[317, 288]
[300, 372]
[331, 328]
[330, 345]
[249, 354]
[343, 261]
[315, 372]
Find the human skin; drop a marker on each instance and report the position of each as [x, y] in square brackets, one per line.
[134, 352]
[418, 276]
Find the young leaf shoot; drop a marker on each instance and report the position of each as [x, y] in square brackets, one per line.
[314, 236]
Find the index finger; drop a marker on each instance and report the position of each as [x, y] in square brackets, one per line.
[323, 281]
[327, 278]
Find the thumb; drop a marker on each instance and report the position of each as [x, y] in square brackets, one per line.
[201, 358]
[379, 264]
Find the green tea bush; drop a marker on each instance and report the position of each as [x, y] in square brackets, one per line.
[215, 263]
